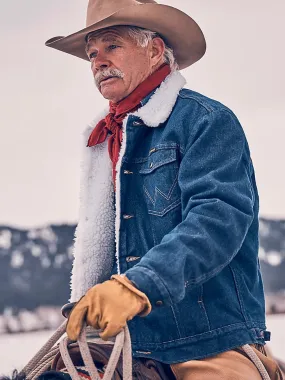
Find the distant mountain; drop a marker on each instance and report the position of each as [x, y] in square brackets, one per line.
[35, 264]
[272, 254]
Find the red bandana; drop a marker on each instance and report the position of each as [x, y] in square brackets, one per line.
[112, 124]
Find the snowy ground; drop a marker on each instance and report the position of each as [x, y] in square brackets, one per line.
[17, 350]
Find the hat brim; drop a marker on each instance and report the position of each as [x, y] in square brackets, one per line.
[178, 29]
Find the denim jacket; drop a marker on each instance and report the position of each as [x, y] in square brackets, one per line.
[186, 227]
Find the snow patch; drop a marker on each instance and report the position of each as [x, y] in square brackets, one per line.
[264, 228]
[36, 250]
[17, 259]
[59, 260]
[45, 261]
[5, 239]
[45, 233]
[70, 251]
[262, 254]
[52, 247]
[274, 258]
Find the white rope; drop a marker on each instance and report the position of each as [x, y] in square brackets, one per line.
[67, 360]
[122, 342]
[86, 356]
[256, 361]
[127, 356]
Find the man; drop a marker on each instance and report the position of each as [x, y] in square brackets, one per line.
[167, 239]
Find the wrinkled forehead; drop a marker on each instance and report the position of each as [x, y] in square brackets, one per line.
[108, 34]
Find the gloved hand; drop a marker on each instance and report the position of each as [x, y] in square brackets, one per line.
[108, 306]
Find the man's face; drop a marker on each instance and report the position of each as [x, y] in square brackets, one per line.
[118, 64]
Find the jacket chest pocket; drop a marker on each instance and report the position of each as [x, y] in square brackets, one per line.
[160, 180]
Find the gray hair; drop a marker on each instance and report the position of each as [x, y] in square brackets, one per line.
[143, 38]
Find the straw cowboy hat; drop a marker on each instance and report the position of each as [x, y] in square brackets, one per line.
[179, 30]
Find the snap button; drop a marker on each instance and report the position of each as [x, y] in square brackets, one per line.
[129, 259]
[128, 172]
[151, 165]
[136, 123]
[159, 303]
[125, 216]
[267, 335]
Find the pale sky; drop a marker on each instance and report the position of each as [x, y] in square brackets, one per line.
[48, 97]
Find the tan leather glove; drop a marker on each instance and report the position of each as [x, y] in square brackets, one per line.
[108, 306]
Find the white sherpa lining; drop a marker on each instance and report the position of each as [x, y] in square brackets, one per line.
[118, 189]
[97, 235]
[159, 107]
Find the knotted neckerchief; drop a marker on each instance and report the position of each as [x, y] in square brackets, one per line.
[112, 124]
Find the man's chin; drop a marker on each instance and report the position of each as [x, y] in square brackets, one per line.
[112, 96]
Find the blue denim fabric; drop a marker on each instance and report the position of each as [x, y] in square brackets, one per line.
[189, 232]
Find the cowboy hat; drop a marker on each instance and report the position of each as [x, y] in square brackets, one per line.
[179, 30]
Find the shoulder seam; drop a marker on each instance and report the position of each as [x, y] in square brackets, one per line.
[208, 108]
[196, 100]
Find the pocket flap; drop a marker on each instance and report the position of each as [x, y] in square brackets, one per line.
[158, 157]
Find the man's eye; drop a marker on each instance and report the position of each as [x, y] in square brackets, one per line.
[112, 47]
[92, 55]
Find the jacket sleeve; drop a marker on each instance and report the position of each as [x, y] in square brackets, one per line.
[217, 200]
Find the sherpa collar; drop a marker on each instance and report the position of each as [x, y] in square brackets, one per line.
[157, 108]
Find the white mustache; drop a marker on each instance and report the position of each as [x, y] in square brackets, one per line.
[107, 73]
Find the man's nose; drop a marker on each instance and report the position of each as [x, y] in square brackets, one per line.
[101, 62]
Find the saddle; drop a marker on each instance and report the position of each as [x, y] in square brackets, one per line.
[142, 368]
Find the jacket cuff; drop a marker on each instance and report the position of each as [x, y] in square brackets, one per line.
[123, 279]
[151, 284]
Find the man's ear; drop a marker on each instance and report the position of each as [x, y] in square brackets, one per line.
[157, 51]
